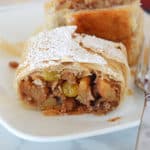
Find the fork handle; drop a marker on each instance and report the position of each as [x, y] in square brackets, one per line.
[141, 145]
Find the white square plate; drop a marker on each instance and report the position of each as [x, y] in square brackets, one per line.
[16, 24]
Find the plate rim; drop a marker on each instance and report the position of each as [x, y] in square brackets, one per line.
[69, 137]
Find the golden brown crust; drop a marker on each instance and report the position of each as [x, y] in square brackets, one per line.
[134, 43]
[119, 25]
[134, 46]
[103, 23]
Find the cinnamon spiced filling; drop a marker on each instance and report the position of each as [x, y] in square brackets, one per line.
[69, 91]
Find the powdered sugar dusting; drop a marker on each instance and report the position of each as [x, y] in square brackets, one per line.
[111, 49]
[50, 48]
[57, 45]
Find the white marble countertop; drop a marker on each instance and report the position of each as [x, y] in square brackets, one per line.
[123, 140]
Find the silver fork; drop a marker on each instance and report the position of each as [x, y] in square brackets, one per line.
[143, 82]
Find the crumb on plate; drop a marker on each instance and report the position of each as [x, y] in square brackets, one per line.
[13, 64]
[114, 119]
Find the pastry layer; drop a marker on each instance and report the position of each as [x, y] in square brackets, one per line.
[67, 72]
[119, 22]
